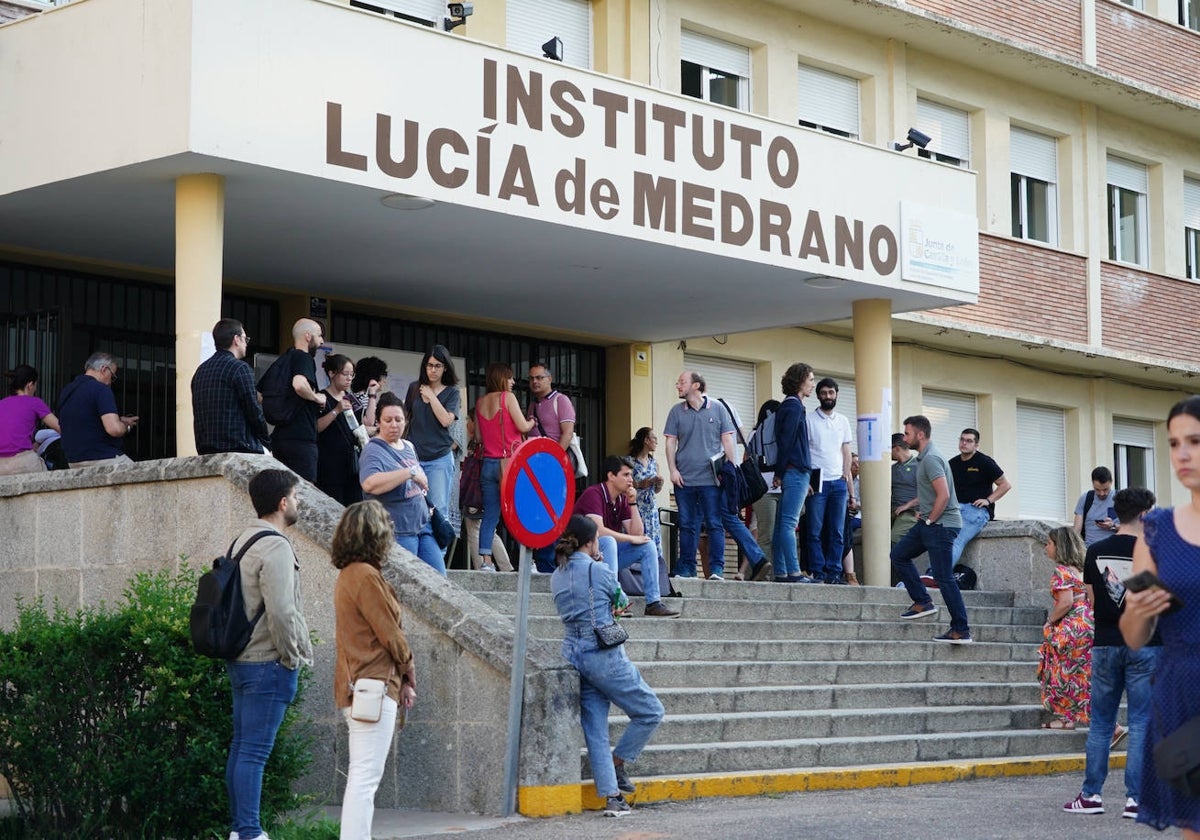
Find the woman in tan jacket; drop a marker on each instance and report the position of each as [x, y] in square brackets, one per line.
[371, 644]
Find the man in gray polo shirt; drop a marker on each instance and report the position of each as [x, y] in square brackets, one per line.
[938, 522]
[697, 430]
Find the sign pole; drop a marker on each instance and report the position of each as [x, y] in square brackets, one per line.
[516, 692]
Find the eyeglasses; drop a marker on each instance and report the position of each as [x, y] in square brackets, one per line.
[435, 365]
[244, 338]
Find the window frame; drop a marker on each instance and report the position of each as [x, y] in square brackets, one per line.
[934, 118]
[1191, 225]
[710, 71]
[1189, 14]
[1133, 182]
[834, 85]
[566, 19]
[1033, 159]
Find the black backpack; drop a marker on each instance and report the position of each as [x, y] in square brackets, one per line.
[219, 625]
[278, 396]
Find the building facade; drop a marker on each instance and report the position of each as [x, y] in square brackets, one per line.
[697, 183]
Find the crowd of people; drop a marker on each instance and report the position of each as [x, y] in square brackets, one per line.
[398, 463]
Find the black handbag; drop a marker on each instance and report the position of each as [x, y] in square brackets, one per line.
[608, 635]
[753, 486]
[443, 531]
[1177, 758]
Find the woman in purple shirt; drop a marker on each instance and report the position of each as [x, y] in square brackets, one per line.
[20, 413]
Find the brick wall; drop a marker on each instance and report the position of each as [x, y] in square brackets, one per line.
[1149, 314]
[1152, 51]
[1027, 288]
[1055, 26]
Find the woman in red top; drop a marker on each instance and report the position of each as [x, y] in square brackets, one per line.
[500, 424]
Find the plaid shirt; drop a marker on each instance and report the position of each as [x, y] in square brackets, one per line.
[226, 413]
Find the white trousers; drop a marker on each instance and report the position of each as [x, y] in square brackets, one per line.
[370, 744]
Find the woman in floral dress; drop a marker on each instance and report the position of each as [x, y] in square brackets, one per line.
[647, 481]
[1065, 667]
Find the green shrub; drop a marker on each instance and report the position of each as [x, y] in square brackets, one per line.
[111, 726]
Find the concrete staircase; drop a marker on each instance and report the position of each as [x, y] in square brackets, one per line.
[767, 678]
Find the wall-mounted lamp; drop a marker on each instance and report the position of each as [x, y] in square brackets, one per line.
[459, 12]
[915, 138]
[553, 49]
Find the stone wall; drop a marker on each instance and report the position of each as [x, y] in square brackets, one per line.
[80, 535]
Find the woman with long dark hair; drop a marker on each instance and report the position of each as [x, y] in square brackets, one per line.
[20, 413]
[370, 380]
[433, 404]
[337, 452]
[499, 424]
[370, 644]
[583, 587]
[1170, 550]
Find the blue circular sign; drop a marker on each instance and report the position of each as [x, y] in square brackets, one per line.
[537, 492]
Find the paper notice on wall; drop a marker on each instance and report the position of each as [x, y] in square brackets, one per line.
[871, 435]
[207, 346]
[885, 410]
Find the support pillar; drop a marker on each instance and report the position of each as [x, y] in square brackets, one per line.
[199, 254]
[873, 378]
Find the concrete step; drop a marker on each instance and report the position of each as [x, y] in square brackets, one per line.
[740, 674]
[542, 604]
[736, 701]
[692, 728]
[661, 759]
[922, 630]
[739, 590]
[833, 650]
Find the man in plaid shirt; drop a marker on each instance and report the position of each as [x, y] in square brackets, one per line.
[226, 416]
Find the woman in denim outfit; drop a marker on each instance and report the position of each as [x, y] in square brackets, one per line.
[583, 590]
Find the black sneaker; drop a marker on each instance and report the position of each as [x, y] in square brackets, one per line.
[616, 806]
[623, 783]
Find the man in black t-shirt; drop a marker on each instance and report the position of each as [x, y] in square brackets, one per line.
[295, 443]
[1116, 668]
[978, 483]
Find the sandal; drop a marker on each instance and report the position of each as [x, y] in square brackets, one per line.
[625, 612]
[1059, 724]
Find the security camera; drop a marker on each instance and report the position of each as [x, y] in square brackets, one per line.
[461, 10]
[915, 138]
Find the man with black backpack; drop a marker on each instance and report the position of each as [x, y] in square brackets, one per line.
[292, 403]
[264, 675]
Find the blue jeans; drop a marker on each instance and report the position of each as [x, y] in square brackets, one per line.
[622, 555]
[736, 528]
[440, 472]
[261, 694]
[1115, 669]
[827, 514]
[489, 483]
[423, 545]
[544, 559]
[785, 556]
[974, 518]
[699, 504]
[938, 540]
[607, 677]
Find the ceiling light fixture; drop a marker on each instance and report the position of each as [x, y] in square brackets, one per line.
[403, 201]
[823, 281]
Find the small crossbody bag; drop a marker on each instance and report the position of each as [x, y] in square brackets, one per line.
[609, 635]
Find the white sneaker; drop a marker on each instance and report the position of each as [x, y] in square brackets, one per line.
[715, 576]
[487, 567]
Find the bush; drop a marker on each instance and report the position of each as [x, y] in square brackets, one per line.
[111, 726]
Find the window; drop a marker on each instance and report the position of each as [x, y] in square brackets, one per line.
[1189, 14]
[948, 414]
[1128, 185]
[1034, 164]
[1133, 453]
[1041, 463]
[1191, 225]
[715, 70]
[1134, 4]
[531, 23]
[425, 12]
[829, 101]
[950, 132]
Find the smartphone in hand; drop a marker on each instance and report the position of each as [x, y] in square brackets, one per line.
[1148, 580]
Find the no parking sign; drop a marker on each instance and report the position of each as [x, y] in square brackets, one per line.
[538, 492]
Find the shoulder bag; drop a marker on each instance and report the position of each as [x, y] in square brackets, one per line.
[755, 485]
[610, 635]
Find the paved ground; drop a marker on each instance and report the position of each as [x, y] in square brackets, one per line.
[1004, 809]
